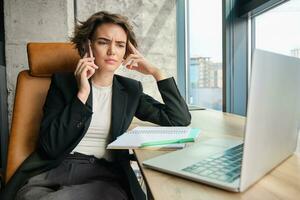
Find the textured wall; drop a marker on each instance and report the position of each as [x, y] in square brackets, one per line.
[47, 20]
[32, 21]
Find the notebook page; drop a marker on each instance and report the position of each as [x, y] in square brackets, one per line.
[139, 135]
[175, 130]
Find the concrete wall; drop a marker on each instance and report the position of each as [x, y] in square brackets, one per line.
[32, 21]
[47, 20]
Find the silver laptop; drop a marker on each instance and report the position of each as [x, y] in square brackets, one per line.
[270, 134]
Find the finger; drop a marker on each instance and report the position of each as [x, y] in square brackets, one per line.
[90, 72]
[77, 68]
[136, 68]
[84, 70]
[130, 58]
[125, 62]
[87, 65]
[79, 65]
[131, 47]
[134, 65]
[85, 55]
[91, 59]
[90, 49]
[95, 66]
[129, 63]
[83, 73]
[85, 60]
[75, 72]
[91, 64]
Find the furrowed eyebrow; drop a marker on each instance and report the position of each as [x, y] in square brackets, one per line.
[108, 40]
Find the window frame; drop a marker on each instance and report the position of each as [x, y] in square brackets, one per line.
[238, 45]
[232, 84]
[181, 19]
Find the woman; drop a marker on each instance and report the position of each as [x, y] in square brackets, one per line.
[87, 109]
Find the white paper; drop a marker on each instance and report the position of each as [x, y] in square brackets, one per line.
[134, 138]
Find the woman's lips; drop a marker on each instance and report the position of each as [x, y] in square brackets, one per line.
[110, 61]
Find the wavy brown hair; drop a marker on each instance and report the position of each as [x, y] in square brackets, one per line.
[85, 30]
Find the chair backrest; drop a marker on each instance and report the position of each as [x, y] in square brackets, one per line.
[32, 86]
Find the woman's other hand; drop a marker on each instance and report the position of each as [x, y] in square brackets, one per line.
[84, 70]
[136, 61]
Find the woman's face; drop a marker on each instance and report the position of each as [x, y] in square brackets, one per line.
[109, 46]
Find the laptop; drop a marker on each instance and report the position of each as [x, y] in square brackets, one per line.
[270, 136]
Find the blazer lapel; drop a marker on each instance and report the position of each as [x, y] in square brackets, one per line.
[89, 103]
[119, 103]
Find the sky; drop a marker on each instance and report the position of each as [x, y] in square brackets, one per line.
[206, 28]
[277, 30]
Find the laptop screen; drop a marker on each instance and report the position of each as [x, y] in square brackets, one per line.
[272, 114]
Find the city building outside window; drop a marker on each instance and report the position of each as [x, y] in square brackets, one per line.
[204, 73]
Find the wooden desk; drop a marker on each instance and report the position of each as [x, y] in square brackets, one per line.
[281, 183]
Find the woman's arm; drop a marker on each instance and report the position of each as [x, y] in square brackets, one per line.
[174, 111]
[62, 122]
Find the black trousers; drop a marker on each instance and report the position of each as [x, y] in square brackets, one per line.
[79, 176]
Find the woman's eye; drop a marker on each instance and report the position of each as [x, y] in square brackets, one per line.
[101, 42]
[121, 45]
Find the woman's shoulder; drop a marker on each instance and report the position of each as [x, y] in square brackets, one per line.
[63, 76]
[126, 80]
[64, 79]
[128, 83]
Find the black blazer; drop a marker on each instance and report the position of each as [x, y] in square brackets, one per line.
[66, 120]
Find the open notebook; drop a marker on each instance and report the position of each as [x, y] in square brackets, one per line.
[167, 137]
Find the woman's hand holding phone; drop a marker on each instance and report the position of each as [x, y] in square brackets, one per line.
[85, 70]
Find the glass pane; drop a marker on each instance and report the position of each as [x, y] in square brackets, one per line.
[278, 29]
[205, 53]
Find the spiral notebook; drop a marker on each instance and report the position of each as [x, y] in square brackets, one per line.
[155, 137]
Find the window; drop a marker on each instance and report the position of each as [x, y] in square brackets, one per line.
[204, 57]
[278, 29]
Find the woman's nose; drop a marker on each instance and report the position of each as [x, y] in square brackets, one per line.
[111, 50]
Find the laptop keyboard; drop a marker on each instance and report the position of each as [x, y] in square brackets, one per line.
[225, 166]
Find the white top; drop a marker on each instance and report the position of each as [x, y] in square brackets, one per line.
[95, 140]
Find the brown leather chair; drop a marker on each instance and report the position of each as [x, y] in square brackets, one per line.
[32, 86]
